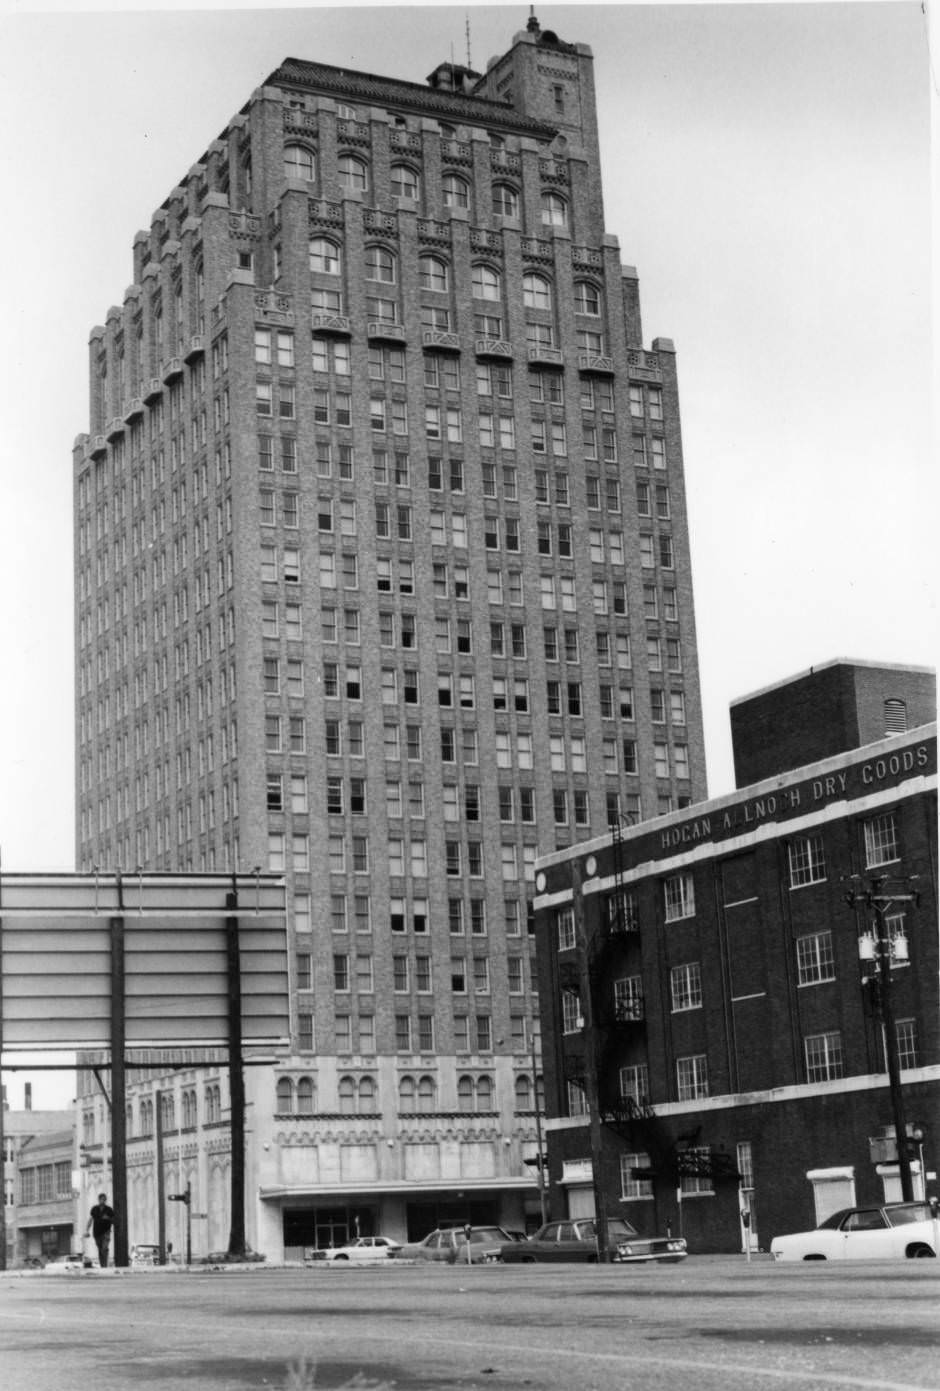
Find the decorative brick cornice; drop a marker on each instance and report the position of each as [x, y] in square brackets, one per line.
[387, 91]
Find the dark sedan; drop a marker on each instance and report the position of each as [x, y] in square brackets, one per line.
[577, 1241]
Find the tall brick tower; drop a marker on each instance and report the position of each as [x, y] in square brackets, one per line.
[383, 581]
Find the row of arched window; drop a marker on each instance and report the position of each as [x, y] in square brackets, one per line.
[434, 273]
[143, 1122]
[300, 162]
[416, 1095]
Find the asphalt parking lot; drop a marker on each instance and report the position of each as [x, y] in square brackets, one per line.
[713, 1322]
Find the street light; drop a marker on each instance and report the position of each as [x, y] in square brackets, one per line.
[877, 945]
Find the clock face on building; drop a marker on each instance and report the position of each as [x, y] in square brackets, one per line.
[590, 866]
[540, 882]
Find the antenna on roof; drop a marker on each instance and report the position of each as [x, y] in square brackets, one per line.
[469, 59]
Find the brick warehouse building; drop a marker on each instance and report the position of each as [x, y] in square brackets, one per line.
[382, 495]
[705, 970]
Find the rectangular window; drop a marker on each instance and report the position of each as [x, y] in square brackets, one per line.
[340, 971]
[881, 840]
[679, 894]
[692, 1077]
[906, 1032]
[632, 1187]
[635, 1084]
[571, 1020]
[566, 936]
[815, 961]
[807, 861]
[686, 986]
[824, 1062]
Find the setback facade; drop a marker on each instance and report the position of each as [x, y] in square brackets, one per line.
[704, 974]
[383, 582]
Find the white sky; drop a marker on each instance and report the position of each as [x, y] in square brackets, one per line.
[766, 169]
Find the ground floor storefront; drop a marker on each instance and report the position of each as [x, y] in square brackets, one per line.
[299, 1220]
[732, 1172]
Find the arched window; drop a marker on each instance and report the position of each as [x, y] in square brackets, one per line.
[456, 191]
[465, 1094]
[505, 200]
[285, 1095]
[523, 1093]
[367, 1094]
[406, 1096]
[433, 273]
[587, 299]
[487, 282]
[353, 174]
[129, 1122]
[380, 265]
[347, 1096]
[168, 1111]
[484, 1094]
[405, 182]
[554, 210]
[305, 1096]
[325, 255]
[299, 163]
[427, 1094]
[536, 292]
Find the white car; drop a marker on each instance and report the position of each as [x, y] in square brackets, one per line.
[364, 1248]
[889, 1232]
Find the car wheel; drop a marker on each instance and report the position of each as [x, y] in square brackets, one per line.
[814, 1258]
[527, 1260]
[919, 1252]
[341, 1258]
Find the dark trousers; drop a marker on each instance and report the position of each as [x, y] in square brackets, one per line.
[103, 1242]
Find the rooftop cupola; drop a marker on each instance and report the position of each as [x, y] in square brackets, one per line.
[453, 77]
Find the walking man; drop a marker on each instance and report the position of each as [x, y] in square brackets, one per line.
[100, 1222]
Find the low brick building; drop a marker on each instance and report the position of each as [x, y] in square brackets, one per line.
[705, 1005]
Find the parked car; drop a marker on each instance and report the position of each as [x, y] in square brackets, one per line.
[577, 1241]
[363, 1248]
[892, 1231]
[74, 1261]
[223, 1258]
[145, 1253]
[451, 1244]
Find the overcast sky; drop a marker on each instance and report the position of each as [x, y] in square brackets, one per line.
[766, 169]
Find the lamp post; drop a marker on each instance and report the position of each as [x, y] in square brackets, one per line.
[876, 944]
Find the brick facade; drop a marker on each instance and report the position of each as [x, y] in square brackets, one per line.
[838, 706]
[383, 577]
[750, 1021]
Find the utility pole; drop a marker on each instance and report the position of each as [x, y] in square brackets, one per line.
[592, 1099]
[879, 946]
[540, 1167]
[236, 1240]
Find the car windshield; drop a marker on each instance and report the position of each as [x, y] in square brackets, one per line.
[487, 1234]
[617, 1227]
[834, 1221]
[900, 1216]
